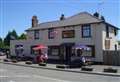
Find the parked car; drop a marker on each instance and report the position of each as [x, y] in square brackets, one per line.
[2, 54]
[7, 60]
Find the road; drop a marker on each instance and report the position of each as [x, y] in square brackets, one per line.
[12, 73]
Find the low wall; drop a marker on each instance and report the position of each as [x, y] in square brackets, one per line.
[111, 57]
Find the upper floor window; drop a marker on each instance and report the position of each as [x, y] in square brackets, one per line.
[36, 34]
[115, 31]
[51, 33]
[68, 34]
[107, 31]
[86, 31]
[115, 46]
[107, 44]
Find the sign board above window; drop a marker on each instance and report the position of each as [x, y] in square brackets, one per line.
[68, 34]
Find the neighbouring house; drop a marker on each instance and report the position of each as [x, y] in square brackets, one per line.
[61, 35]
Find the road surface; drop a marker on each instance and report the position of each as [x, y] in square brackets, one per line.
[12, 73]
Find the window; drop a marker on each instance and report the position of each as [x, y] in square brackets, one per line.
[115, 31]
[51, 33]
[19, 49]
[86, 31]
[107, 44]
[36, 34]
[115, 47]
[107, 31]
[68, 34]
[90, 52]
[84, 52]
[54, 50]
[32, 51]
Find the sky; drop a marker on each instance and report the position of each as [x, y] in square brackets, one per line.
[17, 14]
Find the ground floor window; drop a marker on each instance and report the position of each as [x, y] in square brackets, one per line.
[19, 49]
[88, 53]
[53, 50]
[31, 49]
[91, 52]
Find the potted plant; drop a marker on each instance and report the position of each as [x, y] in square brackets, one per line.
[42, 64]
[14, 61]
[28, 62]
[110, 70]
[62, 66]
[86, 68]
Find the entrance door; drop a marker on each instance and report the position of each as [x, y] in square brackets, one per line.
[68, 54]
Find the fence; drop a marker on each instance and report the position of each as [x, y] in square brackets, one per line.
[111, 57]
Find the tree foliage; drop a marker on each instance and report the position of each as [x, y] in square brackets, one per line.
[10, 36]
[14, 35]
[119, 42]
[7, 39]
[22, 36]
[0, 39]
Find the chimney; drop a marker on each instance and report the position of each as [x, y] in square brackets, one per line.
[34, 21]
[62, 17]
[96, 14]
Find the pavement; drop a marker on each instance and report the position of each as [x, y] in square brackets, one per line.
[97, 69]
[16, 73]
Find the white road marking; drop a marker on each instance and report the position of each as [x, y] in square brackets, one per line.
[34, 76]
[3, 70]
[49, 78]
[11, 81]
[19, 76]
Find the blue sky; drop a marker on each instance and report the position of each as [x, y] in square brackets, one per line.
[16, 14]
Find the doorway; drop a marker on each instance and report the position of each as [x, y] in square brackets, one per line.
[67, 52]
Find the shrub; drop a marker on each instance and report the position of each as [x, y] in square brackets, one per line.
[61, 66]
[28, 62]
[110, 70]
[87, 69]
[14, 61]
[42, 64]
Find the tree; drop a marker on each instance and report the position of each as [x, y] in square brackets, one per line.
[119, 42]
[1, 43]
[0, 39]
[7, 39]
[14, 35]
[96, 14]
[10, 36]
[22, 36]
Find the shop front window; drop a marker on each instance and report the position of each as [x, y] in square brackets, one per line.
[54, 50]
[19, 49]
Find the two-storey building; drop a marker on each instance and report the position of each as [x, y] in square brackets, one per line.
[61, 35]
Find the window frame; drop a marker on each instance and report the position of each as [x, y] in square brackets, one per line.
[49, 33]
[50, 50]
[36, 34]
[84, 28]
[107, 31]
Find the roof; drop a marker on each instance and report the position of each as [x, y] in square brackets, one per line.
[80, 18]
